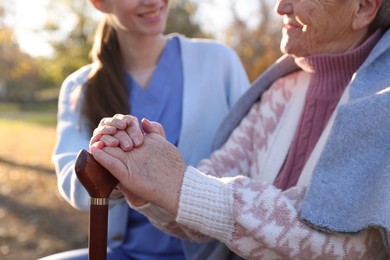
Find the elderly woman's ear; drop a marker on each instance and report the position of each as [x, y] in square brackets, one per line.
[365, 13]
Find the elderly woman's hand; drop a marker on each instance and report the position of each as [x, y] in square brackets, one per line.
[155, 178]
[125, 132]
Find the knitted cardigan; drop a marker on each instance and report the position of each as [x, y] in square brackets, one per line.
[349, 187]
[356, 152]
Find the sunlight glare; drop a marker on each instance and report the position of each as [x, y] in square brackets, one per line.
[30, 17]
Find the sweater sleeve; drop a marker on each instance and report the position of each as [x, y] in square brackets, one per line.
[255, 219]
[72, 136]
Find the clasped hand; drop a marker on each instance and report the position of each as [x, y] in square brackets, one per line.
[148, 167]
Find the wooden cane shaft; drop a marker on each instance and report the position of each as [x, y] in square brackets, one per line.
[97, 241]
[99, 183]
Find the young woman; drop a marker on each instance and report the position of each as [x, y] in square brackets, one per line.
[188, 85]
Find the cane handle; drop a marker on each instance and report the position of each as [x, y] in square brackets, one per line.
[96, 179]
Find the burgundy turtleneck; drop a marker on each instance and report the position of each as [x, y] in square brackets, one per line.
[330, 75]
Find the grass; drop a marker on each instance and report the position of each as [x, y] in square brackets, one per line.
[44, 119]
[34, 113]
[27, 139]
[38, 220]
[27, 132]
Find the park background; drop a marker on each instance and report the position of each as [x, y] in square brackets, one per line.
[43, 41]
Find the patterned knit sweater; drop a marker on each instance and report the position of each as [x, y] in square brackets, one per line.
[244, 210]
[247, 213]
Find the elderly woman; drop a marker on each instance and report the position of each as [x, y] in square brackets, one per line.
[302, 169]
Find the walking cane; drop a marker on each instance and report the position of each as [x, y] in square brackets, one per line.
[99, 183]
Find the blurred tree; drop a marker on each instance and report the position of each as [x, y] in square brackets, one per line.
[69, 28]
[71, 47]
[2, 11]
[181, 19]
[18, 73]
[257, 45]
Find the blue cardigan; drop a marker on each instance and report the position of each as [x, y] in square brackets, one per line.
[214, 79]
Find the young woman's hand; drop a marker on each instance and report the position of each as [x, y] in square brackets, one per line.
[123, 131]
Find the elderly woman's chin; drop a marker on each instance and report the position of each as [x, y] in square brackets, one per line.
[292, 48]
[299, 47]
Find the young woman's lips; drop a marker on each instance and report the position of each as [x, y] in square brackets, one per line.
[151, 14]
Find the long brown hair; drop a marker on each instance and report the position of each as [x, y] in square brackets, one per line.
[106, 92]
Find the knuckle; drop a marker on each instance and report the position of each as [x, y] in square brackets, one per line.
[102, 121]
[134, 120]
[118, 116]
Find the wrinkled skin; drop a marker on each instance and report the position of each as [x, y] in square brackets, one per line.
[323, 26]
[153, 164]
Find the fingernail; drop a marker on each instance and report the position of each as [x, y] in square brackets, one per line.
[126, 144]
[137, 141]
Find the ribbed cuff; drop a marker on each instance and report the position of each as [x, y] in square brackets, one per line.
[206, 204]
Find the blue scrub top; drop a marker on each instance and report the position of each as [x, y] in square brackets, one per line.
[161, 101]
